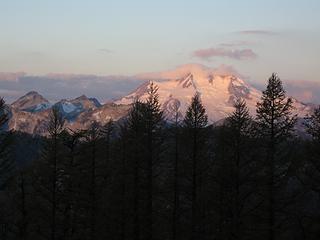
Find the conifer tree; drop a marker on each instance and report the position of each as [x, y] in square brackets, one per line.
[55, 128]
[93, 136]
[154, 121]
[71, 193]
[275, 123]
[176, 190]
[195, 121]
[312, 166]
[106, 132]
[313, 124]
[240, 128]
[48, 178]
[7, 165]
[135, 134]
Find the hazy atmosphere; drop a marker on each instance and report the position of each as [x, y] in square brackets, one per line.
[159, 120]
[132, 37]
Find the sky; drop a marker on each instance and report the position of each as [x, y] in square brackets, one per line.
[125, 37]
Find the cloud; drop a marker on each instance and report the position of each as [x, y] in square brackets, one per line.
[225, 69]
[209, 53]
[105, 50]
[235, 44]
[256, 32]
[59, 86]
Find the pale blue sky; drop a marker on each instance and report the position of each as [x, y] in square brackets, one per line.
[128, 37]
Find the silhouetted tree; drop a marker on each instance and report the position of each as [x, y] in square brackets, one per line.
[55, 128]
[92, 138]
[176, 191]
[154, 120]
[72, 191]
[194, 122]
[136, 124]
[106, 133]
[275, 123]
[240, 142]
[7, 164]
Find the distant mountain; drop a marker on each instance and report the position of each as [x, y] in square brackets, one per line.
[30, 113]
[218, 91]
[31, 102]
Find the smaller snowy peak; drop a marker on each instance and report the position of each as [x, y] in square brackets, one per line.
[70, 109]
[32, 101]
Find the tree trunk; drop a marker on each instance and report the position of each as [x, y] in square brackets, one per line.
[194, 189]
[175, 214]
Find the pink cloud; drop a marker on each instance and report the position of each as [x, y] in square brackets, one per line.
[208, 53]
[224, 69]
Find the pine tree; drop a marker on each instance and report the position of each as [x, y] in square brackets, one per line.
[93, 136]
[7, 165]
[135, 133]
[313, 124]
[176, 190]
[154, 121]
[240, 128]
[55, 128]
[312, 166]
[195, 121]
[123, 178]
[275, 123]
[106, 133]
[48, 178]
[71, 193]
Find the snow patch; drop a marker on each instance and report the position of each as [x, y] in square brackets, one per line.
[68, 107]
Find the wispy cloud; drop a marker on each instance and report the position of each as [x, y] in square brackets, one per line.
[235, 44]
[257, 32]
[105, 50]
[225, 69]
[238, 54]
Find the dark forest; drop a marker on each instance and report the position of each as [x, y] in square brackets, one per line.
[145, 177]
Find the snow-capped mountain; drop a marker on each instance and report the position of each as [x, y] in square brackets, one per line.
[30, 113]
[218, 91]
